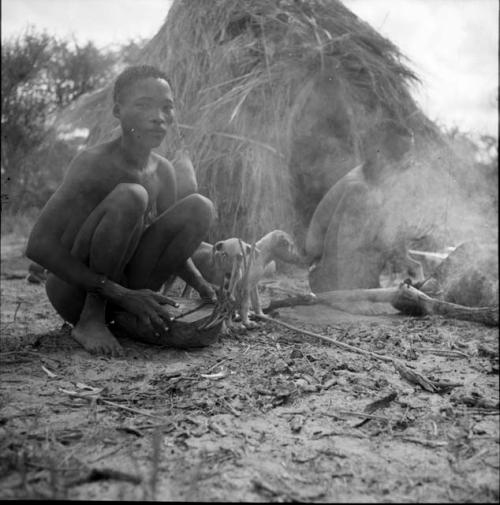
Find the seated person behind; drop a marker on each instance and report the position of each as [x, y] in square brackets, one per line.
[345, 241]
[113, 231]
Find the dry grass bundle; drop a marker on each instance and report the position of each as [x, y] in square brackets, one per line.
[275, 99]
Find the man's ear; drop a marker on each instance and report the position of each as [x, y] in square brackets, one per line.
[116, 110]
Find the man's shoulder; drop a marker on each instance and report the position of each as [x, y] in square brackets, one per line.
[92, 157]
[97, 152]
[160, 159]
[163, 165]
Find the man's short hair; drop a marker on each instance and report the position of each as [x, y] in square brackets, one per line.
[133, 74]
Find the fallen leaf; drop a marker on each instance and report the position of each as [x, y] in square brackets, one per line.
[296, 423]
[215, 376]
[48, 372]
[380, 404]
[77, 393]
[81, 385]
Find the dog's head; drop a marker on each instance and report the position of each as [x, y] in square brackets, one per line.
[284, 248]
[226, 252]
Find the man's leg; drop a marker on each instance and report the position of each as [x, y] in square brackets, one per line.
[106, 242]
[169, 242]
[162, 251]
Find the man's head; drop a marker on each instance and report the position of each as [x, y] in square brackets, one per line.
[398, 140]
[385, 145]
[143, 102]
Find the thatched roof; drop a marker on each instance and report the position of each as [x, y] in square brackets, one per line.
[275, 100]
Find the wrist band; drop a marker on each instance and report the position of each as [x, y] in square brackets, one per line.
[100, 286]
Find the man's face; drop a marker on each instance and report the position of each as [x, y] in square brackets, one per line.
[399, 144]
[145, 109]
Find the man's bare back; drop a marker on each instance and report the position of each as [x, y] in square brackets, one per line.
[345, 240]
[113, 231]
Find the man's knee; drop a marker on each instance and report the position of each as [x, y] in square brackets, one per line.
[128, 199]
[200, 209]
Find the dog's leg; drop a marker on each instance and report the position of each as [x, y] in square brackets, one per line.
[245, 309]
[254, 296]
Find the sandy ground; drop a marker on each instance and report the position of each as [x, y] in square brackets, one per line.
[271, 415]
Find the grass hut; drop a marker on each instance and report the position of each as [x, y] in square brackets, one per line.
[276, 100]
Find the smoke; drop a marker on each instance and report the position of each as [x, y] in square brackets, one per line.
[447, 198]
[442, 194]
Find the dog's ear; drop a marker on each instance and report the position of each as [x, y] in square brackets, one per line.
[218, 246]
[284, 239]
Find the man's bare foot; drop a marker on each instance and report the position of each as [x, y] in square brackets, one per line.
[96, 338]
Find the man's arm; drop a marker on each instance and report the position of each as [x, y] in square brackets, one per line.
[167, 194]
[45, 244]
[166, 198]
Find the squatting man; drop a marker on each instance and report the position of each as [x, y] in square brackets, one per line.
[114, 231]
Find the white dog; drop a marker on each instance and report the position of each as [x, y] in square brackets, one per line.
[276, 245]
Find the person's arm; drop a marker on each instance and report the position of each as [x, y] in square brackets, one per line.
[192, 276]
[167, 194]
[45, 244]
[166, 198]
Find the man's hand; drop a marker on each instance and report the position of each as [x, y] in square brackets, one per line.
[146, 304]
[206, 292]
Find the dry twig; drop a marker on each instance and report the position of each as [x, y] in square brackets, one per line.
[401, 368]
[94, 397]
[337, 414]
[443, 352]
[428, 443]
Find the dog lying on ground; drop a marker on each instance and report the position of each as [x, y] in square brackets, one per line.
[276, 245]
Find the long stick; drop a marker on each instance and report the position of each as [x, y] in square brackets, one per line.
[409, 298]
[376, 295]
[401, 368]
[404, 298]
[342, 345]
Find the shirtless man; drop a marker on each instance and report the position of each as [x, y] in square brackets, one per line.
[114, 231]
[344, 242]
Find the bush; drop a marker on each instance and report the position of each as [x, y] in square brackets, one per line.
[40, 76]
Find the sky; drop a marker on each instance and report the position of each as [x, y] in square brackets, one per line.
[452, 44]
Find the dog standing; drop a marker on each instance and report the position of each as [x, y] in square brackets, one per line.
[276, 245]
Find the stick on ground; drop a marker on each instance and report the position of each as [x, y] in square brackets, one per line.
[404, 298]
[401, 368]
